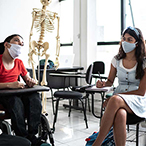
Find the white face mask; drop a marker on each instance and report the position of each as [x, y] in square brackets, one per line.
[128, 47]
[15, 50]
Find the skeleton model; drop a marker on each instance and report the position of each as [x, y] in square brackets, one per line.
[43, 21]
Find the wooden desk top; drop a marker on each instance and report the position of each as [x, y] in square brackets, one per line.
[36, 88]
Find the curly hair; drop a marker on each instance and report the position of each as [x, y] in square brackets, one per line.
[139, 53]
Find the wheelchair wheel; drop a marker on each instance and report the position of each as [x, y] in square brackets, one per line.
[44, 130]
[6, 127]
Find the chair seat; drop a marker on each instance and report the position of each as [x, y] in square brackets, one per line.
[133, 119]
[68, 94]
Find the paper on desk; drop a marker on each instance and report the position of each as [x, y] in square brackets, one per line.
[94, 88]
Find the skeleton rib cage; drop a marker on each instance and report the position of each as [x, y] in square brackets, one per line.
[46, 17]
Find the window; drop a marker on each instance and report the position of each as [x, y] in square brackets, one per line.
[108, 30]
[108, 20]
[139, 15]
[66, 26]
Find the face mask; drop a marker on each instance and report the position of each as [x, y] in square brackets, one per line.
[128, 47]
[14, 50]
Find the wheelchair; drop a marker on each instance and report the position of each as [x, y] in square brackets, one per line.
[44, 130]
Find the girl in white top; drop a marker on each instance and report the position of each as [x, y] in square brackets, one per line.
[129, 66]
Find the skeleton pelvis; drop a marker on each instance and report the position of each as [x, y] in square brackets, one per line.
[44, 46]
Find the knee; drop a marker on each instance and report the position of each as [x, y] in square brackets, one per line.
[115, 100]
[120, 116]
[34, 97]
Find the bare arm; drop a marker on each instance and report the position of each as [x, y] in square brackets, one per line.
[16, 84]
[29, 81]
[110, 80]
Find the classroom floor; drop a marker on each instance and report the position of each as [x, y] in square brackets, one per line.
[71, 131]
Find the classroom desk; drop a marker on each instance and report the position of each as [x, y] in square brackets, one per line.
[26, 90]
[70, 77]
[36, 88]
[52, 80]
[61, 78]
[93, 90]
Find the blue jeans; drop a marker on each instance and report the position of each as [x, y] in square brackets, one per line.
[27, 106]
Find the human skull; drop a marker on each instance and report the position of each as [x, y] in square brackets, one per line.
[46, 2]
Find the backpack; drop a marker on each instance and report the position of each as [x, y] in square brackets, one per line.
[50, 64]
[108, 141]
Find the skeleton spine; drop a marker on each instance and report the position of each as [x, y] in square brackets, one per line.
[42, 33]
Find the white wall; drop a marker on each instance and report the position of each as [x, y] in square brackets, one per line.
[16, 17]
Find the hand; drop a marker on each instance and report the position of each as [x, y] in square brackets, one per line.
[30, 82]
[100, 84]
[16, 84]
[105, 102]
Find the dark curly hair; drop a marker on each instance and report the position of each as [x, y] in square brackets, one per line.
[139, 53]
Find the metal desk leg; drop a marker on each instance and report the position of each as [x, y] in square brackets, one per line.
[102, 99]
[101, 112]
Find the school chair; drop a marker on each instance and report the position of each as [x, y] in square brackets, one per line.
[75, 94]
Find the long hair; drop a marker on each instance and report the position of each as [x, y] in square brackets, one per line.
[139, 53]
[8, 39]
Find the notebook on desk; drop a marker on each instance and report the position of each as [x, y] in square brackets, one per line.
[94, 88]
[66, 61]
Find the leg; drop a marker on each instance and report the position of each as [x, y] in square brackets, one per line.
[33, 107]
[114, 104]
[16, 109]
[120, 127]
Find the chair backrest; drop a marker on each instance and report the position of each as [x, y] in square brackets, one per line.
[98, 67]
[89, 74]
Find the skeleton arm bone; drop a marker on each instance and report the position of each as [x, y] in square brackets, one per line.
[34, 14]
[33, 44]
[57, 45]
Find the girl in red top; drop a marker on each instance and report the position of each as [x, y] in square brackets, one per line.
[27, 104]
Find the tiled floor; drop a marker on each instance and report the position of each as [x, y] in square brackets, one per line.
[71, 131]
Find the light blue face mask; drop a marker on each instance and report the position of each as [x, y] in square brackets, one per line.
[128, 47]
